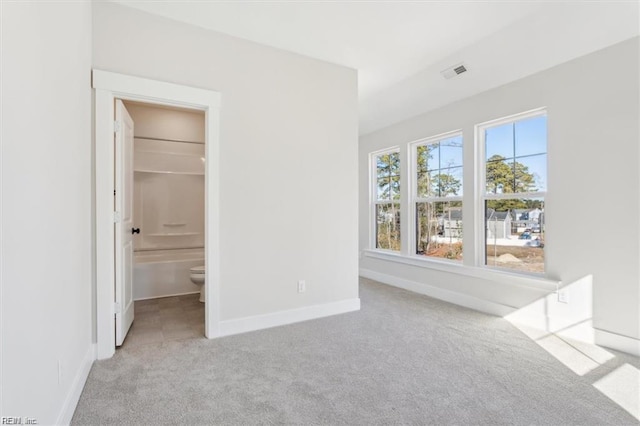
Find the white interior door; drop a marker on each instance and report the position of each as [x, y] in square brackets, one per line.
[124, 222]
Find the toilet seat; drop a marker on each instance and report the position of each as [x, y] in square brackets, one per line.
[197, 270]
[198, 277]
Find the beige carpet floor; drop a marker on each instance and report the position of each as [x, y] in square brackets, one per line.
[403, 359]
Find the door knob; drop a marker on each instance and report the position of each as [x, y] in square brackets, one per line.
[135, 230]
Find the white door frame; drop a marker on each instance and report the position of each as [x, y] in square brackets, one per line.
[109, 86]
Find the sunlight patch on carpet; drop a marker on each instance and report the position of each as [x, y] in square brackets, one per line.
[623, 387]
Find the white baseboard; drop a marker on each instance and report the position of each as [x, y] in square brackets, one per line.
[579, 328]
[465, 300]
[73, 396]
[259, 322]
[617, 342]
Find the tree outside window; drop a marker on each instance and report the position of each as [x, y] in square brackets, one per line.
[438, 197]
[387, 200]
[515, 186]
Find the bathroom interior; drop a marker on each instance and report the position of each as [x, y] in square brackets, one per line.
[169, 211]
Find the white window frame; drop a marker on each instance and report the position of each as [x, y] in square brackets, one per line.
[373, 197]
[483, 196]
[473, 198]
[413, 188]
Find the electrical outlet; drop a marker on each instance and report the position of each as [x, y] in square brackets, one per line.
[563, 296]
[302, 286]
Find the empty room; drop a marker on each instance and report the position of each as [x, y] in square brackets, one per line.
[320, 212]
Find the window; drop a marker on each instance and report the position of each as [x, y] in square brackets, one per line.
[437, 196]
[386, 181]
[506, 189]
[513, 192]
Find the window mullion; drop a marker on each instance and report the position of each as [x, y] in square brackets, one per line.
[405, 196]
[513, 195]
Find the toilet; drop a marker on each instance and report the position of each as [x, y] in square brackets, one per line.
[197, 277]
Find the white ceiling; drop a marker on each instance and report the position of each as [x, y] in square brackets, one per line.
[400, 47]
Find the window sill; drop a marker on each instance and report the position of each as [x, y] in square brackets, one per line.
[522, 280]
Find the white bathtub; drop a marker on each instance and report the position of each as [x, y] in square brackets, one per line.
[162, 273]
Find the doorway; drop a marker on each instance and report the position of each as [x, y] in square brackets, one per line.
[109, 87]
[160, 198]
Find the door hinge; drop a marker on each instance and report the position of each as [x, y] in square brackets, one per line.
[116, 126]
[116, 217]
[117, 308]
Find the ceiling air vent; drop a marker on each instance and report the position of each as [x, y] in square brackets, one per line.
[454, 71]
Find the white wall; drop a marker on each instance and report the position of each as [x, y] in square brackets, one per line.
[46, 208]
[288, 155]
[593, 128]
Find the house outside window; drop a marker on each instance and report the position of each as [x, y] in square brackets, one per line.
[437, 196]
[505, 200]
[514, 176]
